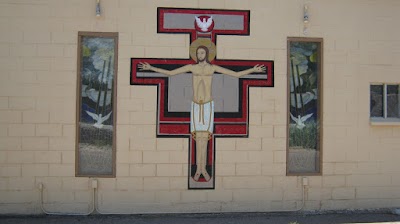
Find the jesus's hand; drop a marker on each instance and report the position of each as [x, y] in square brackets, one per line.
[144, 66]
[259, 68]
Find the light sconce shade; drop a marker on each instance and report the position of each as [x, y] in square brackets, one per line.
[305, 15]
[305, 20]
[98, 12]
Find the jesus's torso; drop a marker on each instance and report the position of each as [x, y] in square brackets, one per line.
[202, 82]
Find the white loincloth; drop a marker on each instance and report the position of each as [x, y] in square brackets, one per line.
[202, 117]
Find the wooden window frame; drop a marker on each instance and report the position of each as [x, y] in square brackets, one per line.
[81, 35]
[319, 105]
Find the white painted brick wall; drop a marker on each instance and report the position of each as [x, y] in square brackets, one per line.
[38, 56]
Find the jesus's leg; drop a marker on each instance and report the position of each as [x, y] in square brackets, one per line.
[201, 155]
[198, 157]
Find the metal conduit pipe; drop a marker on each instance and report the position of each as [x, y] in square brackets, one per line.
[304, 184]
[41, 188]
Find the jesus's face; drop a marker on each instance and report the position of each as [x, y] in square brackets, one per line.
[201, 55]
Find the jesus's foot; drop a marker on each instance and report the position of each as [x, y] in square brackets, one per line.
[197, 176]
[206, 176]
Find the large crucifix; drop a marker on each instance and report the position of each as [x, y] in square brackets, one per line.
[202, 98]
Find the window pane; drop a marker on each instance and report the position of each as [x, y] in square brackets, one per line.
[304, 77]
[376, 104]
[392, 101]
[96, 104]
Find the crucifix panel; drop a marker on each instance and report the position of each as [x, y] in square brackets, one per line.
[201, 97]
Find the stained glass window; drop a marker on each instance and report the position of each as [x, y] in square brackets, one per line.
[304, 106]
[97, 69]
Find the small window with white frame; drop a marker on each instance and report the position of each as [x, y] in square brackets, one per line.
[385, 103]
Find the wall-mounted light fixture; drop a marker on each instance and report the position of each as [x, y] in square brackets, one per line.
[305, 19]
[98, 12]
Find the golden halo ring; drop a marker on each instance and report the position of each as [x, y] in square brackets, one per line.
[203, 42]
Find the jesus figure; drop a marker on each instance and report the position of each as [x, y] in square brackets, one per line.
[202, 108]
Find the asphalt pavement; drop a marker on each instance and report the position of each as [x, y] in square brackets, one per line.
[332, 217]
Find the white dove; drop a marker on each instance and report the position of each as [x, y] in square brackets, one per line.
[204, 25]
[99, 119]
[300, 120]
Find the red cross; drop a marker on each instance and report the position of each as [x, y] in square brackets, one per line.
[226, 124]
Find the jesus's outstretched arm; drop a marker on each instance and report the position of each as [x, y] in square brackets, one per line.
[225, 71]
[146, 66]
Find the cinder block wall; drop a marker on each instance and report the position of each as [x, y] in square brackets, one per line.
[38, 72]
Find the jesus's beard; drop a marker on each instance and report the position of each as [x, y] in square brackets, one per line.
[201, 60]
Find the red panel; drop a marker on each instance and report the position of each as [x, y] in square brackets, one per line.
[231, 129]
[174, 129]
